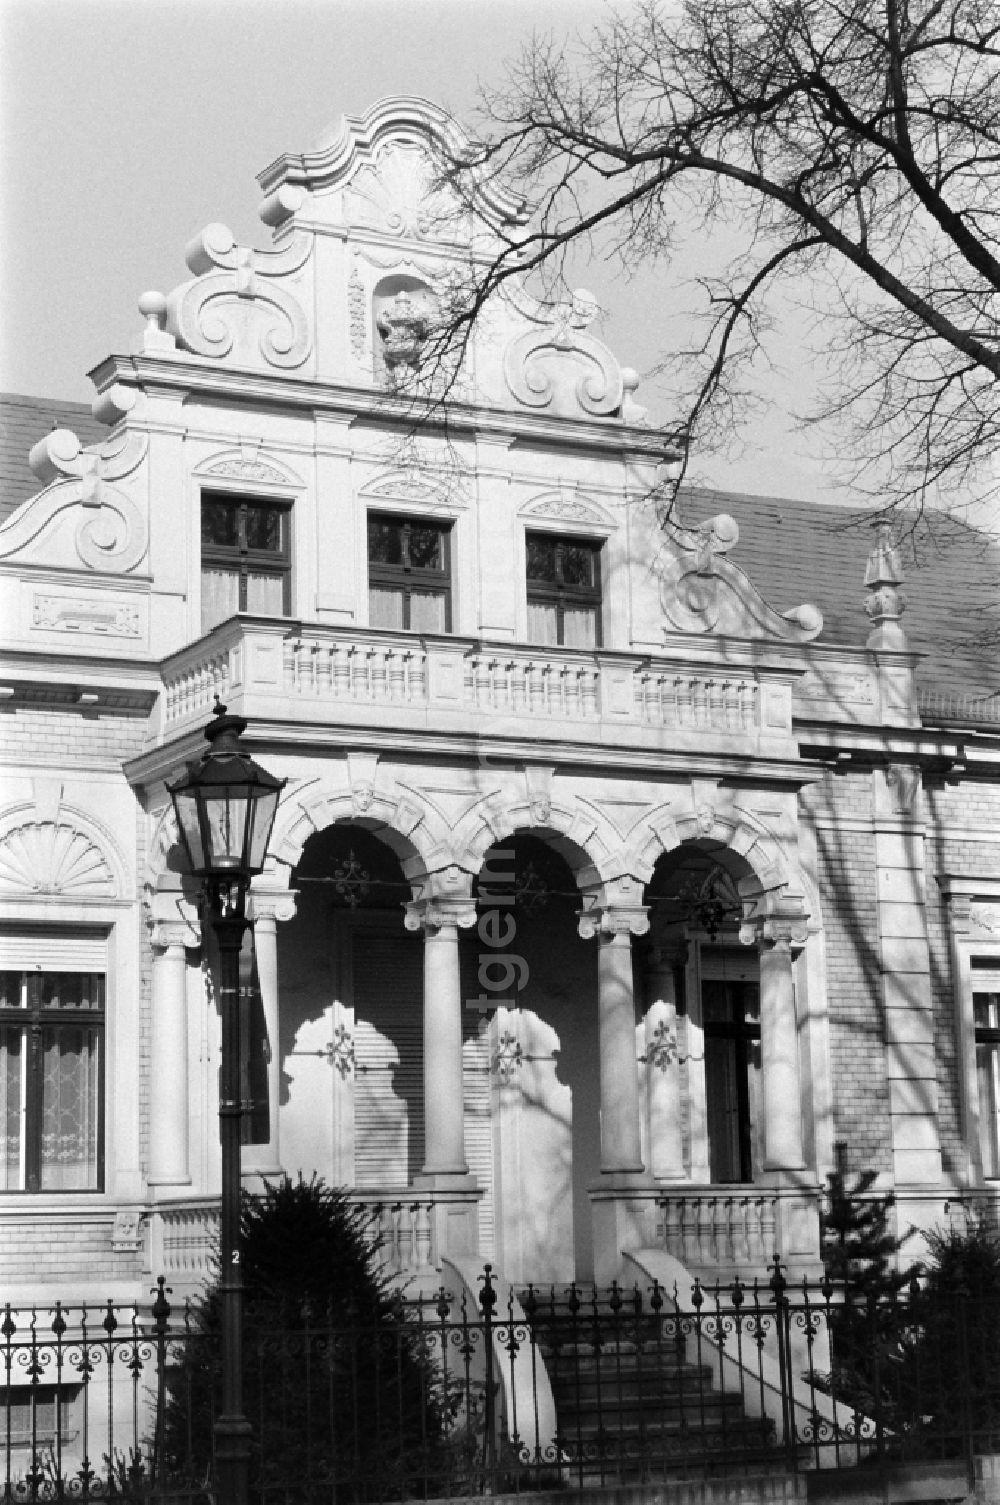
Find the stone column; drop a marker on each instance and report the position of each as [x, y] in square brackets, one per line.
[779, 1040]
[621, 1202]
[266, 909]
[168, 1105]
[440, 916]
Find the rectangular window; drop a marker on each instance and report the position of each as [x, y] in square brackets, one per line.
[245, 557]
[34, 1412]
[564, 590]
[986, 1018]
[409, 573]
[51, 1081]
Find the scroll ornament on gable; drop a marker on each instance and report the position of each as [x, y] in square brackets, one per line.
[701, 591]
[559, 366]
[235, 296]
[110, 530]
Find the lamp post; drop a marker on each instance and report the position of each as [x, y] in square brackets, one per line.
[225, 806]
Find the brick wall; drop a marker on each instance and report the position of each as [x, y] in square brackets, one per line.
[840, 805]
[63, 1248]
[69, 737]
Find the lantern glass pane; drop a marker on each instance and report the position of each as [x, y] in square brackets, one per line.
[265, 807]
[226, 813]
[186, 806]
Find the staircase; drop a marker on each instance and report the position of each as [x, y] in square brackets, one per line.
[634, 1400]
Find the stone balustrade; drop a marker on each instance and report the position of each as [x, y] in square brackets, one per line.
[720, 1227]
[281, 669]
[405, 1220]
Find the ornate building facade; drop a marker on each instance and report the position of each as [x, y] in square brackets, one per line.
[607, 893]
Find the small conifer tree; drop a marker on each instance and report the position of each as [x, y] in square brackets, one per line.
[340, 1392]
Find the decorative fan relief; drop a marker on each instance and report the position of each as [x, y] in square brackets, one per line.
[44, 857]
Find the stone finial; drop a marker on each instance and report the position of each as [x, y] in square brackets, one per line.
[155, 336]
[885, 602]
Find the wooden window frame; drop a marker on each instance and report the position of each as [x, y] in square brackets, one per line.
[562, 595]
[243, 560]
[409, 577]
[32, 1019]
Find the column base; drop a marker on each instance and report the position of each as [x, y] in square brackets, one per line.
[623, 1214]
[454, 1199]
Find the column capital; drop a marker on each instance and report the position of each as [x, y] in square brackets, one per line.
[273, 904]
[791, 931]
[613, 908]
[437, 911]
[163, 934]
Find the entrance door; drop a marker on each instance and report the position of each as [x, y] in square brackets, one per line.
[731, 1021]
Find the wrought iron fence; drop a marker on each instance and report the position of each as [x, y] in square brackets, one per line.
[499, 1392]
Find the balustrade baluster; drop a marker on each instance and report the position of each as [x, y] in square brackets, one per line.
[573, 692]
[689, 1229]
[379, 679]
[324, 670]
[706, 1217]
[422, 1235]
[484, 698]
[400, 1237]
[768, 1227]
[418, 675]
[397, 674]
[536, 686]
[672, 1225]
[341, 685]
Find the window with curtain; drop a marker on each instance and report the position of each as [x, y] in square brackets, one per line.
[409, 573]
[51, 1081]
[245, 557]
[986, 1018]
[564, 590]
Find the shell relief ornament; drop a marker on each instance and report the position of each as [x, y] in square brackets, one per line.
[701, 591]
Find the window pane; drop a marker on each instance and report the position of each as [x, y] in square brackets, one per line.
[988, 1074]
[427, 611]
[69, 1108]
[541, 558]
[11, 996]
[986, 1010]
[220, 522]
[12, 1107]
[385, 542]
[385, 607]
[579, 627]
[266, 594]
[578, 564]
[543, 624]
[425, 549]
[220, 595]
[263, 528]
[71, 990]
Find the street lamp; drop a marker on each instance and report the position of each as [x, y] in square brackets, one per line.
[225, 806]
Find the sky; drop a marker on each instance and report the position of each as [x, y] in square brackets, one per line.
[129, 125]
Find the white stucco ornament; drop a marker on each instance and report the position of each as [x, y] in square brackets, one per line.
[701, 591]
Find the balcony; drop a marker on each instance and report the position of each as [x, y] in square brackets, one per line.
[355, 677]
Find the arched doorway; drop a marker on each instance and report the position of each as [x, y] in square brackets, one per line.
[534, 983]
[700, 1030]
[351, 1032]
